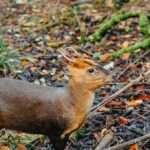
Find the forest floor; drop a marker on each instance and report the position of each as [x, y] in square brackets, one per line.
[38, 30]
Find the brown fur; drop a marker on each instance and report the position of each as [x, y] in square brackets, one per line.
[56, 112]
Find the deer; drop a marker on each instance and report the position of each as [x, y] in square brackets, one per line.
[53, 111]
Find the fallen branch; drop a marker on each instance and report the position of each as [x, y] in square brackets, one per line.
[110, 23]
[106, 100]
[81, 2]
[126, 144]
[105, 141]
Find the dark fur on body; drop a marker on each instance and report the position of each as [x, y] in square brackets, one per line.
[56, 112]
[43, 112]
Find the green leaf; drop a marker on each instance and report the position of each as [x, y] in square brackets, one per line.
[97, 55]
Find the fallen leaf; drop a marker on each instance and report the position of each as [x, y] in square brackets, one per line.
[126, 56]
[4, 148]
[123, 120]
[31, 59]
[33, 68]
[24, 63]
[104, 109]
[103, 93]
[125, 44]
[106, 58]
[113, 38]
[96, 135]
[21, 147]
[134, 147]
[134, 103]
[104, 131]
[144, 96]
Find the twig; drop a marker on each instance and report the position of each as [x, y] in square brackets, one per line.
[86, 52]
[147, 52]
[106, 100]
[105, 141]
[137, 140]
[81, 1]
[66, 57]
[56, 6]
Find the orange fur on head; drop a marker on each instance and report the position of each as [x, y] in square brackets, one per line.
[83, 63]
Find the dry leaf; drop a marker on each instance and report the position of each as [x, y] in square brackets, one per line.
[134, 147]
[4, 148]
[24, 63]
[104, 109]
[106, 59]
[103, 132]
[134, 103]
[113, 37]
[33, 68]
[96, 135]
[126, 56]
[21, 147]
[125, 44]
[144, 96]
[103, 93]
[123, 120]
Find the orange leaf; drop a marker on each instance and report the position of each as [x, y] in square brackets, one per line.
[144, 96]
[21, 147]
[106, 58]
[123, 120]
[4, 148]
[104, 109]
[125, 44]
[103, 93]
[113, 38]
[28, 49]
[134, 147]
[126, 56]
[33, 68]
[134, 103]
[24, 63]
[103, 131]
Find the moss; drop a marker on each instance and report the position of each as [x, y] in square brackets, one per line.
[110, 23]
[80, 133]
[143, 44]
[144, 24]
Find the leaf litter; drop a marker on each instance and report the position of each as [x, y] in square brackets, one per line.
[38, 36]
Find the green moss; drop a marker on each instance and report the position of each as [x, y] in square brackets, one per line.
[80, 133]
[144, 24]
[143, 44]
[108, 24]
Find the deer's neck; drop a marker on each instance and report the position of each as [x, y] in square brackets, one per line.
[81, 98]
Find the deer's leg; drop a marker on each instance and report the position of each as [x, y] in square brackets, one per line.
[58, 143]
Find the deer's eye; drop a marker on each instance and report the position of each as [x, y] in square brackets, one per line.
[91, 70]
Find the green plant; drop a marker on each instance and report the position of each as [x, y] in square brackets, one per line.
[80, 133]
[8, 57]
[144, 24]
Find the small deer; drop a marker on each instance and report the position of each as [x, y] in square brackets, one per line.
[56, 112]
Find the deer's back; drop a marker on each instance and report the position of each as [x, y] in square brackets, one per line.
[32, 108]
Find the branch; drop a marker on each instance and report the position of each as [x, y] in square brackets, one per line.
[106, 100]
[137, 140]
[105, 141]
